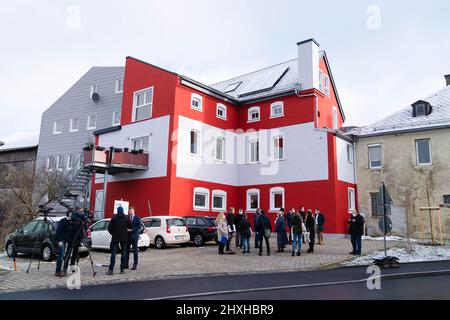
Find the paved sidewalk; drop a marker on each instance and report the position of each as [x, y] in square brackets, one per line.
[181, 262]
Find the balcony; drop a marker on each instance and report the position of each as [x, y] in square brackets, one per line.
[114, 160]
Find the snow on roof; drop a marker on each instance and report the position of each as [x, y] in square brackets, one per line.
[20, 140]
[261, 83]
[403, 120]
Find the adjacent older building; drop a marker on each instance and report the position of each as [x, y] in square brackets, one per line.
[410, 152]
[19, 150]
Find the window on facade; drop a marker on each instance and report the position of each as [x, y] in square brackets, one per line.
[70, 160]
[276, 198]
[423, 151]
[351, 199]
[196, 102]
[349, 153]
[119, 85]
[201, 199]
[194, 142]
[74, 122]
[278, 148]
[116, 118]
[220, 148]
[335, 118]
[57, 127]
[140, 143]
[373, 203]
[253, 114]
[92, 122]
[277, 109]
[252, 199]
[219, 200]
[374, 156]
[326, 84]
[446, 198]
[321, 80]
[221, 111]
[94, 89]
[50, 163]
[60, 162]
[142, 104]
[254, 151]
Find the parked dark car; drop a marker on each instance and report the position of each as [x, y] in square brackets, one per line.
[39, 239]
[201, 229]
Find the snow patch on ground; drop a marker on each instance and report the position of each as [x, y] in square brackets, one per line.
[388, 238]
[417, 253]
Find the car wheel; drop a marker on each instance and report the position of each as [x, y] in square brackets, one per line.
[159, 242]
[198, 239]
[10, 249]
[46, 253]
[142, 248]
[83, 254]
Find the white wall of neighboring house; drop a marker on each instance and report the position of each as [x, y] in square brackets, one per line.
[345, 169]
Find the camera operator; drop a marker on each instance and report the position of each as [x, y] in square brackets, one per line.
[76, 235]
[62, 238]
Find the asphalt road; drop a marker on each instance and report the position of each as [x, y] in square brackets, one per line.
[410, 281]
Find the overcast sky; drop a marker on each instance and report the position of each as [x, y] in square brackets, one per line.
[384, 54]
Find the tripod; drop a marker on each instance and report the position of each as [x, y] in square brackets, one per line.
[38, 241]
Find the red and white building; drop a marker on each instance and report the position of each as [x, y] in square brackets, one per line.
[267, 139]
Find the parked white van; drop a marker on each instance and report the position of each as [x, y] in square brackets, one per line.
[163, 230]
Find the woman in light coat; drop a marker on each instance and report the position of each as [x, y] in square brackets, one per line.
[222, 231]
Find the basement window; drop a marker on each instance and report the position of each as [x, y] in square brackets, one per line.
[446, 198]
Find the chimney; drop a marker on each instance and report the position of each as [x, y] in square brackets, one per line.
[308, 64]
[447, 79]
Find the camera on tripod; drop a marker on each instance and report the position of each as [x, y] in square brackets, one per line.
[45, 210]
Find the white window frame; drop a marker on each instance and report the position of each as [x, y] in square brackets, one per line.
[417, 152]
[222, 107]
[89, 127]
[351, 200]
[54, 126]
[71, 125]
[142, 143]
[94, 88]
[135, 107]
[59, 166]
[368, 155]
[252, 110]
[276, 155]
[199, 98]
[114, 118]
[223, 149]
[248, 194]
[272, 107]
[70, 158]
[350, 155]
[326, 85]
[199, 139]
[202, 191]
[334, 118]
[321, 80]
[250, 143]
[117, 87]
[47, 166]
[273, 192]
[219, 193]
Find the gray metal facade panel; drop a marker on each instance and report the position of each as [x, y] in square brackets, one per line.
[76, 102]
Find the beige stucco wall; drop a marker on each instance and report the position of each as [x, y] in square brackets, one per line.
[410, 186]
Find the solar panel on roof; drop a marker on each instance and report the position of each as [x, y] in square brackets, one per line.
[231, 87]
[264, 80]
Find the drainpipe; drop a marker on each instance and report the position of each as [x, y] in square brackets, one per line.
[316, 102]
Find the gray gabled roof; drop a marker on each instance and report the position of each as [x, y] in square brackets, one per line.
[403, 120]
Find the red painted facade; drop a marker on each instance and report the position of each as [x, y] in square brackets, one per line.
[174, 195]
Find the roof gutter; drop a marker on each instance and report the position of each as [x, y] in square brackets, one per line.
[207, 90]
[386, 133]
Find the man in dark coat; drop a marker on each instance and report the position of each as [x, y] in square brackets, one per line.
[310, 227]
[320, 221]
[118, 227]
[245, 228]
[263, 225]
[62, 238]
[231, 228]
[255, 224]
[356, 230]
[77, 224]
[133, 238]
[289, 219]
[237, 222]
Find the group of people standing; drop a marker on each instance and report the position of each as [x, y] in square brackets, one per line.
[294, 227]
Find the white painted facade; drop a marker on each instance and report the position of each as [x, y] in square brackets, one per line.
[308, 65]
[157, 130]
[345, 168]
[305, 155]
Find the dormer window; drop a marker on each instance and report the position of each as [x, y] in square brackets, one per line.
[421, 109]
